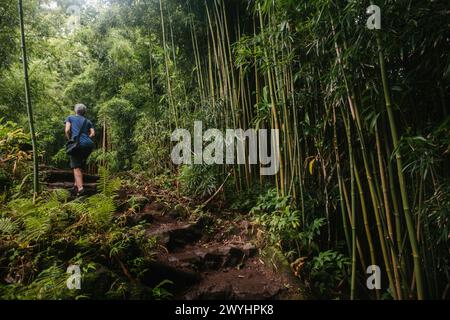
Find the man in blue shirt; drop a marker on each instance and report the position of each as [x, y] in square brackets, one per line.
[73, 126]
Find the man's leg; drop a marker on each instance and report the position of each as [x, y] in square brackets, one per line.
[78, 175]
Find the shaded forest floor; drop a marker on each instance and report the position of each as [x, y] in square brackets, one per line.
[205, 252]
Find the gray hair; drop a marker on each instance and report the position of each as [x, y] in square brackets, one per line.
[80, 109]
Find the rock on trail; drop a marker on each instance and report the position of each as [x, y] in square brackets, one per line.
[225, 267]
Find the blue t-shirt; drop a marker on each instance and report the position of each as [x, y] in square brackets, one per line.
[76, 124]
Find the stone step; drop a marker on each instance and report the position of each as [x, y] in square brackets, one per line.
[61, 175]
[91, 188]
[249, 283]
[214, 257]
[175, 234]
[68, 185]
[156, 272]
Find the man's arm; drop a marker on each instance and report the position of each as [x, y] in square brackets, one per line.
[67, 130]
[91, 133]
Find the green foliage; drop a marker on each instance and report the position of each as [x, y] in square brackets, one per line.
[51, 232]
[198, 180]
[82, 87]
[151, 136]
[60, 159]
[308, 237]
[14, 152]
[48, 284]
[327, 271]
[106, 184]
[7, 226]
[99, 156]
[8, 36]
[121, 118]
[278, 218]
[271, 201]
[12, 138]
[100, 207]
[436, 216]
[37, 218]
[159, 292]
[241, 201]
[283, 225]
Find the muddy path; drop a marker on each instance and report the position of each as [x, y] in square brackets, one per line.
[214, 254]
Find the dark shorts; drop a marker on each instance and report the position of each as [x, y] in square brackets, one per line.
[78, 159]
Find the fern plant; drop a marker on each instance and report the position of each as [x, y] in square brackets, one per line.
[49, 284]
[99, 208]
[7, 226]
[51, 232]
[36, 219]
[35, 228]
[107, 185]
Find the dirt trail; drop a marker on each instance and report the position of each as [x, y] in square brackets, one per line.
[209, 257]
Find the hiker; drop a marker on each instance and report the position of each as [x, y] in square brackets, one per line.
[73, 125]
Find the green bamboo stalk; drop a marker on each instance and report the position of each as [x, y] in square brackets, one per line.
[166, 61]
[401, 177]
[28, 103]
[388, 215]
[353, 222]
[275, 121]
[397, 220]
[349, 217]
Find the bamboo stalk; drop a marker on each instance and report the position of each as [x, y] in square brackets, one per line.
[28, 103]
[388, 215]
[166, 61]
[401, 177]
[275, 122]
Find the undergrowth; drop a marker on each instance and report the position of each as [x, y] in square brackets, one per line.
[40, 239]
[298, 238]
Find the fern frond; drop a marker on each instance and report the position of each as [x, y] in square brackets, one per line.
[106, 184]
[59, 195]
[77, 207]
[49, 284]
[21, 207]
[36, 227]
[101, 209]
[7, 226]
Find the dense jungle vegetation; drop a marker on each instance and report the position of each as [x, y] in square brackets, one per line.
[364, 126]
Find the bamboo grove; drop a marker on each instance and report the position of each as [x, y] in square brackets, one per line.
[344, 101]
[363, 114]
